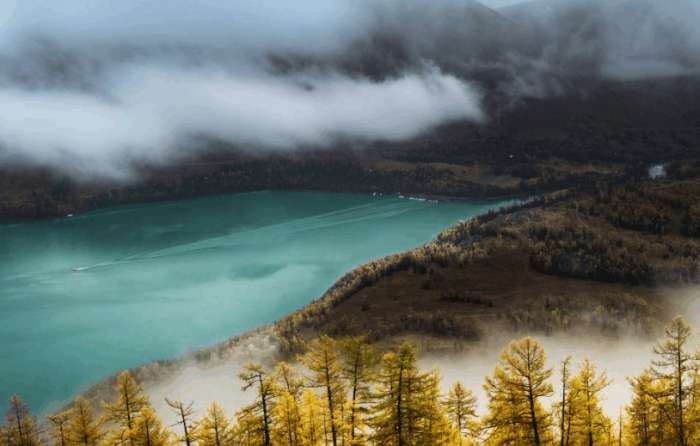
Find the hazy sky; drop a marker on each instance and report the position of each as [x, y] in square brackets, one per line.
[91, 87]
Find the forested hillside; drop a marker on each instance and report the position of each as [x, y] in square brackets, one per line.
[596, 258]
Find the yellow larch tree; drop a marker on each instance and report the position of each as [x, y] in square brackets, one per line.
[406, 402]
[460, 405]
[286, 417]
[358, 368]
[673, 367]
[322, 359]
[22, 428]
[590, 425]
[123, 411]
[254, 376]
[312, 428]
[184, 412]
[83, 429]
[563, 407]
[515, 393]
[214, 429]
[148, 430]
[286, 421]
[59, 428]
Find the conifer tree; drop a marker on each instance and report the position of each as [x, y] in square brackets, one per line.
[286, 422]
[21, 428]
[591, 426]
[286, 417]
[406, 401]
[310, 418]
[59, 428]
[83, 428]
[288, 379]
[673, 367]
[254, 376]
[323, 362]
[148, 430]
[358, 368]
[515, 391]
[184, 412]
[247, 431]
[125, 409]
[641, 411]
[214, 429]
[563, 407]
[461, 408]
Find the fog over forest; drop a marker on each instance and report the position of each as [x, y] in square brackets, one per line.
[91, 89]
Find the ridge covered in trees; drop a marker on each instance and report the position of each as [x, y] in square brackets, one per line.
[346, 392]
[525, 267]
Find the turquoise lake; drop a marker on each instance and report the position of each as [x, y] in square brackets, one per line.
[83, 297]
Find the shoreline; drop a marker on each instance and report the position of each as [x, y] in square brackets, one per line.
[524, 196]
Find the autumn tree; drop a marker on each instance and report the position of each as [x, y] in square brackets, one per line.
[563, 407]
[311, 410]
[673, 367]
[460, 404]
[590, 425]
[323, 362]
[641, 411]
[123, 411]
[184, 412]
[22, 428]
[407, 403]
[83, 428]
[515, 391]
[286, 421]
[59, 428]
[148, 430]
[214, 429]
[254, 376]
[358, 368]
[288, 379]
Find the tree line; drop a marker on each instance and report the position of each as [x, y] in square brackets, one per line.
[346, 392]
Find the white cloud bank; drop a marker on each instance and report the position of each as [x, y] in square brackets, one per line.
[147, 112]
[93, 88]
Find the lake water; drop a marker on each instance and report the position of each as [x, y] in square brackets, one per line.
[83, 297]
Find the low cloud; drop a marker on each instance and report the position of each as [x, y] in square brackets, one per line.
[94, 88]
[148, 113]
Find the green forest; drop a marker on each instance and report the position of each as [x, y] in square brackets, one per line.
[347, 392]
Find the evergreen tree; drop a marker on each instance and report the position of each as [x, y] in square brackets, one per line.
[515, 391]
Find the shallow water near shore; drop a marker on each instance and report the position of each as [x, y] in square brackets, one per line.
[82, 297]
